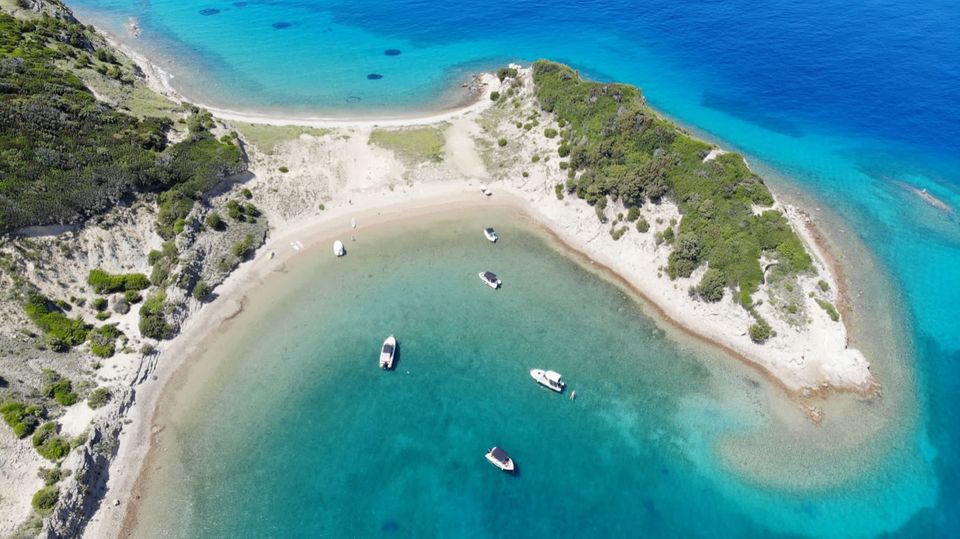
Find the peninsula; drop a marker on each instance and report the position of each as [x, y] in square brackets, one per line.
[133, 220]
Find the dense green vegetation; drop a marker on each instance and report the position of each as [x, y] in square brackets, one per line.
[22, 418]
[108, 283]
[621, 149]
[58, 388]
[64, 156]
[153, 320]
[60, 332]
[103, 340]
[49, 443]
[45, 499]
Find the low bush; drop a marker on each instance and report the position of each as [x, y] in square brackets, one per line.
[214, 221]
[502, 142]
[201, 290]
[617, 233]
[558, 189]
[550, 132]
[643, 226]
[99, 304]
[103, 340]
[60, 333]
[831, 310]
[711, 286]
[22, 418]
[760, 332]
[284, 169]
[633, 213]
[153, 320]
[58, 388]
[243, 247]
[494, 96]
[247, 194]
[98, 398]
[103, 282]
[45, 499]
[823, 285]
[48, 442]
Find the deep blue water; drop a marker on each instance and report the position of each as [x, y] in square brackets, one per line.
[844, 102]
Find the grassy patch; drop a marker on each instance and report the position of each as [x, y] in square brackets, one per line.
[60, 333]
[416, 144]
[48, 442]
[103, 282]
[45, 499]
[267, 138]
[829, 308]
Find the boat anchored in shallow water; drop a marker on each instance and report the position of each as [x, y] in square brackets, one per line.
[499, 458]
[338, 248]
[490, 279]
[388, 352]
[491, 234]
[548, 379]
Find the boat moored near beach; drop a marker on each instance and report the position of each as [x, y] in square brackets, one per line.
[490, 279]
[388, 352]
[338, 248]
[499, 458]
[491, 234]
[548, 379]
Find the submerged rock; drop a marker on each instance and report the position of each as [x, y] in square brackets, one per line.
[392, 52]
[374, 76]
[209, 11]
[281, 25]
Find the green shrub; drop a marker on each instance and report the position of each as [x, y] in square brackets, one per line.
[102, 315]
[154, 256]
[49, 444]
[214, 221]
[103, 282]
[823, 285]
[550, 132]
[617, 233]
[247, 194]
[103, 340]
[58, 388]
[99, 304]
[558, 189]
[711, 286]
[502, 142]
[633, 213]
[506, 72]
[535, 158]
[760, 332]
[60, 332]
[52, 476]
[494, 96]
[132, 296]
[153, 320]
[643, 226]
[284, 169]
[685, 257]
[829, 308]
[564, 165]
[45, 499]
[99, 397]
[22, 418]
[201, 290]
[243, 247]
[235, 210]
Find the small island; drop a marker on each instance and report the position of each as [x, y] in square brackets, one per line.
[132, 222]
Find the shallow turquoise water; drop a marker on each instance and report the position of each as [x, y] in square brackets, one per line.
[837, 103]
[286, 427]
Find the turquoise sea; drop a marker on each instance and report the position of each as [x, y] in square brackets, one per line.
[841, 106]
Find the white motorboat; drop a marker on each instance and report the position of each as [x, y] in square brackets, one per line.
[499, 458]
[548, 379]
[338, 248]
[490, 279]
[491, 234]
[388, 352]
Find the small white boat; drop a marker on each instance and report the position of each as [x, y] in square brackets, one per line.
[388, 352]
[491, 234]
[499, 458]
[338, 248]
[490, 279]
[548, 379]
